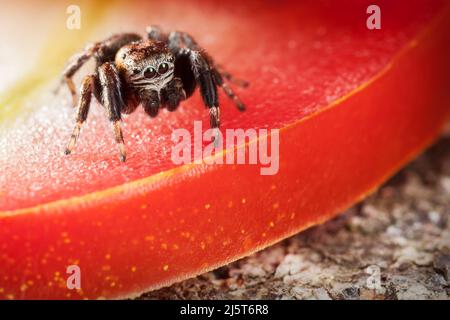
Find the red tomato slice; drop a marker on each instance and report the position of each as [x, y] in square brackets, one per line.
[353, 105]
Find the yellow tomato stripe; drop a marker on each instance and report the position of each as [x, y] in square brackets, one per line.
[47, 65]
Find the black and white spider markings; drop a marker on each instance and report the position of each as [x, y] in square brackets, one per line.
[157, 72]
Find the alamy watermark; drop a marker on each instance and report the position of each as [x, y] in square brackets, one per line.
[73, 21]
[254, 147]
[74, 279]
[373, 22]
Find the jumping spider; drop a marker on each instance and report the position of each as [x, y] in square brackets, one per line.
[157, 72]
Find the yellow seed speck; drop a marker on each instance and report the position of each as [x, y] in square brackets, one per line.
[230, 204]
[23, 288]
[149, 238]
[10, 296]
[133, 269]
[113, 284]
[108, 256]
[106, 267]
[273, 187]
[166, 267]
[271, 224]
[263, 234]
[143, 206]
[207, 206]
[244, 200]
[202, 245]
[175, 247]
[66, 240]
[275, 205]
[64, 234]
[164, 246]
[242, 231]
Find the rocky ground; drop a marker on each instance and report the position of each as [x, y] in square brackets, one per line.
[394, 245]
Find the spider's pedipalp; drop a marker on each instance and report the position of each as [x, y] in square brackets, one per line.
[82, 110]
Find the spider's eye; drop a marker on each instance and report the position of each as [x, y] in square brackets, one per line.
[171, 59]
[163, 67]
[149, 73]
[135, 71]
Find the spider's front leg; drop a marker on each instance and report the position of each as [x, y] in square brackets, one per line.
[82, 110]
[103, 51]
[205, 77]
[76, 62]
[181, 44]
[206, 74]
[110, 92]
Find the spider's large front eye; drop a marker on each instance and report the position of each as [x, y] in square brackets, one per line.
[149, 73]
[163, 67]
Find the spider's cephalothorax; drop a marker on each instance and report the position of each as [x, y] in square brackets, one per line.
[158, 72]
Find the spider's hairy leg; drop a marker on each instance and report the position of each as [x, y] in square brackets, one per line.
[219, 73]
[112, 99]
[206, 74]
[181, 43]
[82, 110]
[75, 63]
[208, 88]
[103, 51]
[228, 91]
[154, 32]
[118, 136]
[229, 77]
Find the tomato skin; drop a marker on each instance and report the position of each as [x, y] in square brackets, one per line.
[151, 232]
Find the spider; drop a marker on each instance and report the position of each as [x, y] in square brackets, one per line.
[157, 72]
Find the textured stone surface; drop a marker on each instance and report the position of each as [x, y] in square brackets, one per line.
[393, 245]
